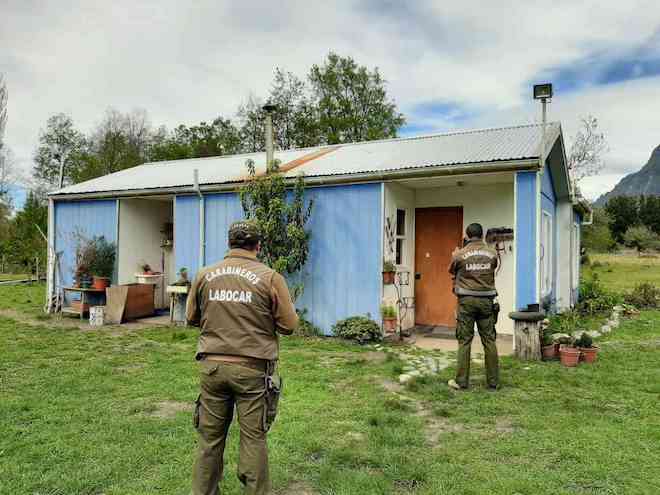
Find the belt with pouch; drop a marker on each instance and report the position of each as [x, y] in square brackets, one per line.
[250, 362]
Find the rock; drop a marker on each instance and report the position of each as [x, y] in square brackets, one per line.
[405, 378]
[618, 309]
[415, 373]
[594, 334]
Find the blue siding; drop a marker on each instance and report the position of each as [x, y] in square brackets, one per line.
[549, 204]
[343, 274]
[525, 235]
[220, 211]
[186, 233]
[90, 219]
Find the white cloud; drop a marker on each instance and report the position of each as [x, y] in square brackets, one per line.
[190, 61]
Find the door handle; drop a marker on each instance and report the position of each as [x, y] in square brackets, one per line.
[418, 276]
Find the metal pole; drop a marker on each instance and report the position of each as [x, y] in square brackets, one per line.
[544, 103]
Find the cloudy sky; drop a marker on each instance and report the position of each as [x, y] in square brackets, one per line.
[466, 65]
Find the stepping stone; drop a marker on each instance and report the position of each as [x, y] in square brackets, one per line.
[405, 378]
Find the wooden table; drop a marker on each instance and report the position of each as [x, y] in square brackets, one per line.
[85, 294]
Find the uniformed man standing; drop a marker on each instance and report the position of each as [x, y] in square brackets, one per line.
[240, 306]
[473, 268]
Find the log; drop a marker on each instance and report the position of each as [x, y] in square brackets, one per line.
[527, 335]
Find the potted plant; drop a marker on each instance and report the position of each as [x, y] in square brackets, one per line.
[388, 312]
[586, 346]
[569, 355]
[84, 261]
[103, 264]
[146, 269]
[550, 349]
[389, 270]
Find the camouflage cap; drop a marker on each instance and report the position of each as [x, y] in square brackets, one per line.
[244, 230]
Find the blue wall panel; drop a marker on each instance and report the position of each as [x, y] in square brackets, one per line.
[343, 273]
[186, 233]
[89, 219]
[220, 211]
[525, 235]
[549, 204]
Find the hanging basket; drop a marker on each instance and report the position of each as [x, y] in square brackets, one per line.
[388, 278]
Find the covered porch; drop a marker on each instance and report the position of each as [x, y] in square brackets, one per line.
[424, 221]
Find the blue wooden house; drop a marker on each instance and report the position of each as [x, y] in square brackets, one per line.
[406, 200]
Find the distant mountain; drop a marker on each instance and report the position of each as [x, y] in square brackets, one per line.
[646, 181]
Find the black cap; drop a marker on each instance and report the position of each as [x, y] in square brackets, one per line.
[244, 231]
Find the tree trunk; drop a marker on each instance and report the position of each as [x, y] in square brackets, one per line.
[527, 335]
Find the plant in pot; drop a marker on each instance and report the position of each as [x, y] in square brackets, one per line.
[103, 264]
[550, 348]
[389, 271]
[146, 269]
[569, 355]
[389, 314]
[84, 260]
[586, 346]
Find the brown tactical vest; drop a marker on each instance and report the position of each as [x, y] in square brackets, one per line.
[474, 267]
[234, 298]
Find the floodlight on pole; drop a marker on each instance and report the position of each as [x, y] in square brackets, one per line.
[544, 93]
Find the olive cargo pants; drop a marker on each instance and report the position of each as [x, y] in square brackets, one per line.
[223, 385]
[480, 310]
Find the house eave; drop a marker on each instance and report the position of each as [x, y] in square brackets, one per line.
[523, 164]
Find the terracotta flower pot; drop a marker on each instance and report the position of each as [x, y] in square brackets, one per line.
[589, 354]
[550, 352]
[388, 278]
[569, 356]
[389, 324]
[101, 282]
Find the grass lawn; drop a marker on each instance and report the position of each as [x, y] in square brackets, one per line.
[13, 276]
[109, 412]
[619, 272]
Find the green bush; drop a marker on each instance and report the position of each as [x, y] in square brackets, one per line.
[644, 296]
[359, 328]
[565, 322]
[595, 298]
[585, 341]
[305, 327]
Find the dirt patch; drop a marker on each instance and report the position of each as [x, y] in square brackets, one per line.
[391, 386]
[504, 425]
[168, 409]
[298, 488]
[355, 435]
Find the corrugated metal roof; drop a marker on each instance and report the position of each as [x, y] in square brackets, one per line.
[466, 147]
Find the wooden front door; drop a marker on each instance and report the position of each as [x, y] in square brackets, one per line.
[438, 231]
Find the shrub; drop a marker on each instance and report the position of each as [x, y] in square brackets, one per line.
[359, 328]
[565, 322]
[594, 298]
[644, 296]
[641, 238]
[305, 327]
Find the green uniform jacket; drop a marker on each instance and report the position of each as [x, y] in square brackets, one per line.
[473, 268]
[240, 305]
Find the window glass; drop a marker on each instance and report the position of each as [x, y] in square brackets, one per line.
[401, 222]
[399, 251]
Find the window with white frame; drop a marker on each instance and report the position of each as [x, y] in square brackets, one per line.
[546, 254]
[400, 241]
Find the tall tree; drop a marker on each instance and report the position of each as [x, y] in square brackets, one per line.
[25, 243]
[589, 145]
[597, 236]
[623, 212]
[252, 131]
[295, 120]
[57, 158]
[352, 102]
[649, 212]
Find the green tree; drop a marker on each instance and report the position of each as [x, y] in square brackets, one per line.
[352, 102]
[649, 212]
[641, 238]
[58, 153]
[597, 236]
[623, 212]
[295, 119]
[252, 130]
[282, 215]
[25, 242]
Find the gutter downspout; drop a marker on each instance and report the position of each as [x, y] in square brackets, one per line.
[202, 219]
